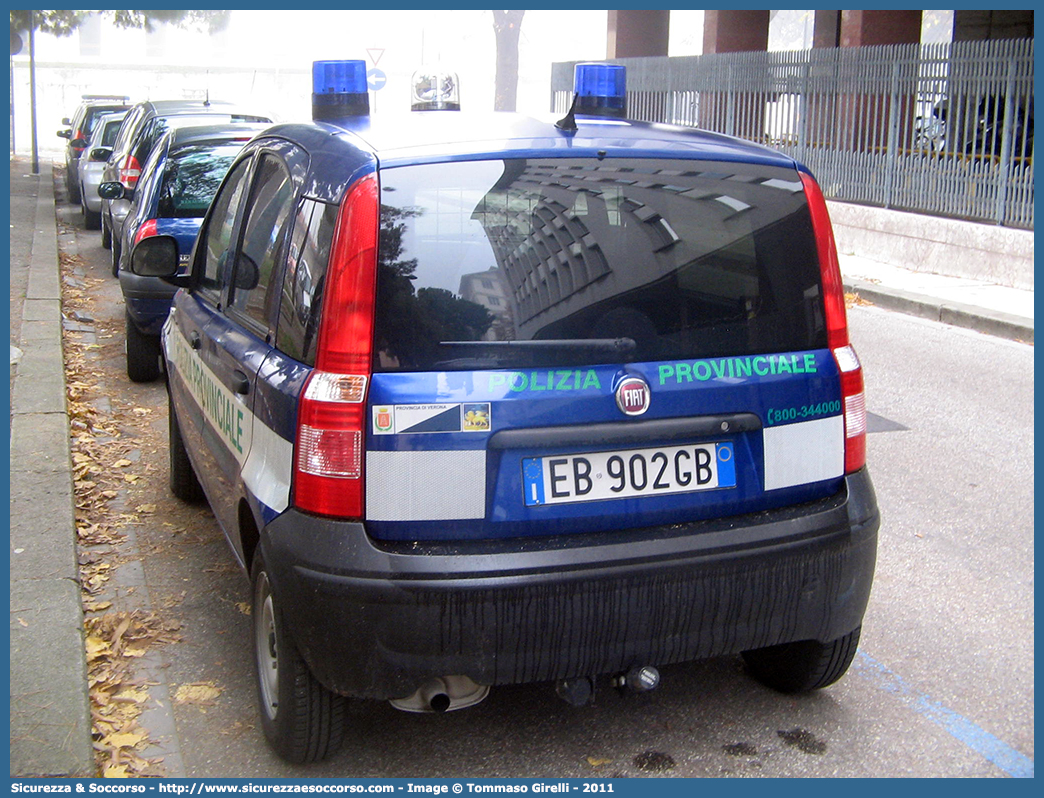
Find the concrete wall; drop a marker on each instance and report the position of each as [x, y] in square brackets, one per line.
[936, 245]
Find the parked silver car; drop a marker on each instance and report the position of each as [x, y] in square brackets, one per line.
[91, 164]
[79, 128]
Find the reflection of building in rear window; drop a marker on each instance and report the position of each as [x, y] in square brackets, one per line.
[191, 179]
[487, 290]
[686, 258]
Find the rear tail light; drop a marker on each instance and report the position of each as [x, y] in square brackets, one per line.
[130, 171]
[146, 230]
[78, 135]
[331, 414]
[855, 407]
[852, 392]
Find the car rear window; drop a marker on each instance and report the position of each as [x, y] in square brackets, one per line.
[95, 112]
[562, 261]
[191, 178]
[112, 129]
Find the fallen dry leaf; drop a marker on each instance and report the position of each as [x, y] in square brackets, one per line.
[197, 694]
[125, 739]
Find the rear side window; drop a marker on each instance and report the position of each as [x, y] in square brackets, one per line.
[608, 261]
[191, 178]
[309, 253]
[130, 125]
[218, 234]
[268, 218]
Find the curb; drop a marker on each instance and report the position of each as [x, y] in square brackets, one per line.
[50, 710]
[990, 322]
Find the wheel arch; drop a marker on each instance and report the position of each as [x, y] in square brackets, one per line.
[249, 533]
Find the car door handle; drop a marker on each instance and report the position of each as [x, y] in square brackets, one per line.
[240, 383]
[194, 340]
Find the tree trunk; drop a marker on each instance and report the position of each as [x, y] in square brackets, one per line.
[507, 25]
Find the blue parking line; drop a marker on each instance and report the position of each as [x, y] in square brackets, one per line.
[1012, 762]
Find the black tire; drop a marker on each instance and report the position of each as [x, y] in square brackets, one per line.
[116, 250]
[301, 719]
[72, 185]
[183, 482]
[91, 219]
[106, 234]
[803, 666]
[143, 354]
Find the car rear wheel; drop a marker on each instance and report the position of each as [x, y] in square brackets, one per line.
[183, 482]
[73, 186]
[143, 354]
[91, 219]
[115, 257]
[301, 719]
[804, 665]
[106, 234]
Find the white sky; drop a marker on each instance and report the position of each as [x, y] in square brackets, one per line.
[460, 40]
[401, 41]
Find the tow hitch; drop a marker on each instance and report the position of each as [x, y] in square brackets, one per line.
[579, 690]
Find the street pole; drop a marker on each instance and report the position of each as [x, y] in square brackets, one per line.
[13, 148]
[32, 88]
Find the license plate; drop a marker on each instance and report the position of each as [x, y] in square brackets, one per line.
[598, 476]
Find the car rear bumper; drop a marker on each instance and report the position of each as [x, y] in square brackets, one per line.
[148, 300]
[376, 621]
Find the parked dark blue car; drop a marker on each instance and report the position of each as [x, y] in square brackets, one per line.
[177, 184]
[485, 399]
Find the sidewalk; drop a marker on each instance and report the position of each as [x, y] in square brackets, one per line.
[50, 717]
[963, 302]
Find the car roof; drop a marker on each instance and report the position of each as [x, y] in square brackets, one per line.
[343, 149]
[112, 116]
[171, 106]
[195, 134]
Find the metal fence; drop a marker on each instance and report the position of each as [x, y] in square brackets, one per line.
[943, 129]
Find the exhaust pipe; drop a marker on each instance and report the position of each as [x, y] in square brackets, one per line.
[433, 695]
[443, 694]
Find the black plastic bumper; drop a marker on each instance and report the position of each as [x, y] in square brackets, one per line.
[376, 621]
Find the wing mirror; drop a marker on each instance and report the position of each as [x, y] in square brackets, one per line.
[157, 256]
[112, 190]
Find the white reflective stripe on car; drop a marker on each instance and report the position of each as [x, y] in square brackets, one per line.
[264, 455]
[425, 485]
[808, 451]
[226, 411]
[266, 472]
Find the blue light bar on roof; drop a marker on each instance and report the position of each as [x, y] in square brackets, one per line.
[601, 89]
[339, 89]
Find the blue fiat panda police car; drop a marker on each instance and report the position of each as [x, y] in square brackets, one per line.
[483, 400]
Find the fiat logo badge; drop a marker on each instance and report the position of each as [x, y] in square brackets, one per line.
[633, 396]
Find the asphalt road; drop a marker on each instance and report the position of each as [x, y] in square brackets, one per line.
[942, 686]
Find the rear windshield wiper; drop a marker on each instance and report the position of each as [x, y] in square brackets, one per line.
[607, 345]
